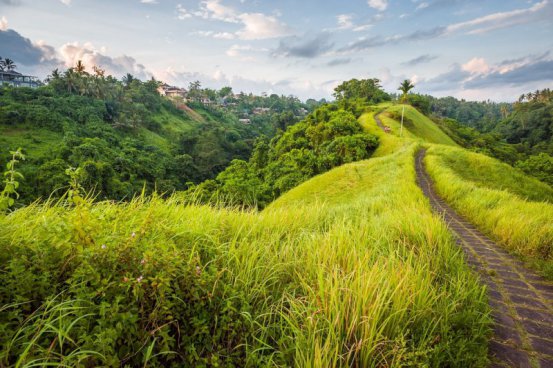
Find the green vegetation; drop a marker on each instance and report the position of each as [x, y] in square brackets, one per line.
[350, 268]
[11, 181]
[331, 136]
[124, 135]
[346, 265]
[489, 144]
[417, 125]
[512, 208]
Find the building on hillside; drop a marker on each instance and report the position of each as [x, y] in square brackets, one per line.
[261, 110]
[303, 111]
[206, 101]
[245, 121]
[15, 79]
[172, 91]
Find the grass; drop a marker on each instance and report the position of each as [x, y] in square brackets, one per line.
[389, 143]
[415, 125]
[39, 143]
[511, 207]
[349, 269]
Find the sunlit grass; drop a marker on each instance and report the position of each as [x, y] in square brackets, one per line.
[500, 200]
[349, 269]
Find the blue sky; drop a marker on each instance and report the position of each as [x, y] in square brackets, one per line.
[470, 49]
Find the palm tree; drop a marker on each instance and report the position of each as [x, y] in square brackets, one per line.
[80, 68]
[9, 64]
[404, 87]
[128, 79]
[1, 64]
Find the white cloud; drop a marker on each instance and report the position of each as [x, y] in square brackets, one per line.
[224, 35]
[256, 26]
[379, 5]
[422, 6]
[3, 24]
[476, 66]
[90, 56]
[235, 50]
[345, 21]
[182, 13]
[149, 1]
[213, 9]
[259, 26]
[66, 2]
[539, 11]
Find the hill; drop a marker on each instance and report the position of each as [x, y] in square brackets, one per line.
[122, 135]
[349, 266]
[287, 286]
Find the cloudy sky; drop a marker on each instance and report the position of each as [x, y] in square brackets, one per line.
[494, 49]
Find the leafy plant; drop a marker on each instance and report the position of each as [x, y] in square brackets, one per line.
[11, 181]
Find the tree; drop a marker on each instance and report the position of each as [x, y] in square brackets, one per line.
[225, 92]
[1, 64]
[404, 87]
[9, 64]
[80, 68]
[127, 80]
[368, 90]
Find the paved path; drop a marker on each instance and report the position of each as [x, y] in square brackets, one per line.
[378, 121]
[521, 301]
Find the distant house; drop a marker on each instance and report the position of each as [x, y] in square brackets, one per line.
[245, 121]
[206, 101]
[303, 111]
[172, 91]
[261, 110]
[15, 79]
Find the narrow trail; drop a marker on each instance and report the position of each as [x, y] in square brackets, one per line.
[378, 121]
[521, 301]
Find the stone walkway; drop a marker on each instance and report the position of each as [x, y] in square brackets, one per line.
[378, 121]
[521, 301]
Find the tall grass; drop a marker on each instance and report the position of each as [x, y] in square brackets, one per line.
[349, 269]
[510, 206]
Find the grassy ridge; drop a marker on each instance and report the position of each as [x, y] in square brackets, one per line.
[415, 125]
[348, 269]
[510, 206]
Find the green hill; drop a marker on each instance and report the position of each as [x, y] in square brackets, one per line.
[348, 268]
[123, 139]
[305, 282]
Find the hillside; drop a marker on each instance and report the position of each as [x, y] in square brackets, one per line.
[252, 288]
[122, 136]
[349, 266]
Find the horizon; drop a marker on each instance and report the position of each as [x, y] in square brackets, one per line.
[473, 51]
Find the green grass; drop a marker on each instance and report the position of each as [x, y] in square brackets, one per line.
[415, 125]
[39, 143]
[506, 204]
[389, 143]
[349, 269]
[487, 172]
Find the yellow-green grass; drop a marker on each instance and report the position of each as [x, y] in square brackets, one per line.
[173, 124]
[349, 269]
[508, 205]
[388, 143]
[416, 125]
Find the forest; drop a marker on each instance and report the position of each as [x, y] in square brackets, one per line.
[124, 137]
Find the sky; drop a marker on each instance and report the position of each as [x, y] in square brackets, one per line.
[476, 50]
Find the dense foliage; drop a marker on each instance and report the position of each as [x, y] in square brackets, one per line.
[329, 137]
[482, 115]
[366, 90]
[123, 135]
[531, 123]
